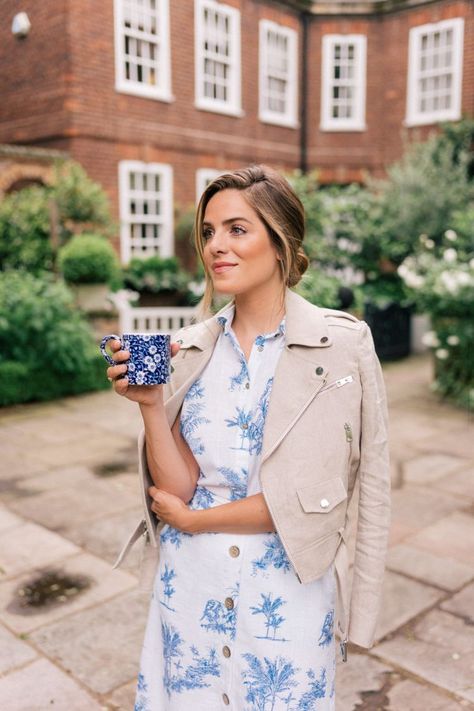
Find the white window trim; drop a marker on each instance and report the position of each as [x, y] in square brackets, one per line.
[290, 118]
[357, 122]
[167, 244]
[203, 177]
[232, 107]
[414, 117]
[125, 86]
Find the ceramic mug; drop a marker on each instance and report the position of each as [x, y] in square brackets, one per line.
[150, 355]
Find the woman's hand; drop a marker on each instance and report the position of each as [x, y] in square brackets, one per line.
[143, 394]
[171, 509]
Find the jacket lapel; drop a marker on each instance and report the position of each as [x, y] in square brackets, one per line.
[298, 378]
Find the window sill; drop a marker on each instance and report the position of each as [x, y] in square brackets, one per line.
[219, 109]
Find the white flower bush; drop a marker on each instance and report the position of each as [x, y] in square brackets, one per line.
[441, 281]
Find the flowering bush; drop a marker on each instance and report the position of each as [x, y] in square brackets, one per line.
[441, 279]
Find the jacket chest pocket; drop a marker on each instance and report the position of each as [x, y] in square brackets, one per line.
[322, 497]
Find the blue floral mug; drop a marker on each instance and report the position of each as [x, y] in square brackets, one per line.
[150, 355]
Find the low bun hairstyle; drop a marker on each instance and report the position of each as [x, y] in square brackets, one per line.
[277, 206]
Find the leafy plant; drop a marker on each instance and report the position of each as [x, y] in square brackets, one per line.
[155, 275]
[72, 203]
[88, 259]
[46, 346]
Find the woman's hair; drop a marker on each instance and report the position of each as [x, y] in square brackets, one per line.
[277, 206]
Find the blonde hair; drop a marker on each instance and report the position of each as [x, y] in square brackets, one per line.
[277, 206]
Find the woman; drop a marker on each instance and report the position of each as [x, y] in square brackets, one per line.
[276, 408]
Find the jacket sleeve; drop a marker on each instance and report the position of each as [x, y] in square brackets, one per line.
[374, 498]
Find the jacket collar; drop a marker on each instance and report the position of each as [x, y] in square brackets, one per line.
[305, 325]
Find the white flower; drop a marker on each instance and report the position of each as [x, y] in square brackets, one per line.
[157, 357]
[450, 282]
[430, 339]
[148, 360]
[131, 367]
[442, 353]
[151, 367]
[453, 340]
[152, 349]
[423, 238]
[450, 255]
[450, 235]
[429, 244]
[140, 377]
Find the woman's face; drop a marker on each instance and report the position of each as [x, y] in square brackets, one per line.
[238, 252]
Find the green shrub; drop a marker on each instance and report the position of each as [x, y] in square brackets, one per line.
[320, 289]
[155, 275]
[72, 203]
[88, 259]
[46, 347]
[25, 230]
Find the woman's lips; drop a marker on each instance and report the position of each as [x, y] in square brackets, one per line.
[220, 268]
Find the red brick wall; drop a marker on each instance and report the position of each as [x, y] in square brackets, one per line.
[34, 75]
[345, 156]
[58, 90]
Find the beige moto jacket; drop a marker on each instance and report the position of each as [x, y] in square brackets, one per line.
[326, 429]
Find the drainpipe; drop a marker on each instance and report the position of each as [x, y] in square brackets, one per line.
[305, 20]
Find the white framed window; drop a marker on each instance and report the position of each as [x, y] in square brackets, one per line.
[146, 209]
[142, 48]
[204, 176]
[217, 57]
[435, 56]
[343, 83]
[278, 75]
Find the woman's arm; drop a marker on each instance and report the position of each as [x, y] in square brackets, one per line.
[248, 515]
[170, 461]
[171, 464]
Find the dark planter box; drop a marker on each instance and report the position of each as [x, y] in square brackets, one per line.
[390, 328]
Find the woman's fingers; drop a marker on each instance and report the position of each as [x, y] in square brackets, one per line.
[174, 349]
[121, 385]
[115, 370]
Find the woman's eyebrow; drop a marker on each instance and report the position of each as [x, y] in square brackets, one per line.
[226, 222]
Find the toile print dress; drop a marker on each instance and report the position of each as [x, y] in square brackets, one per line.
[230, 625]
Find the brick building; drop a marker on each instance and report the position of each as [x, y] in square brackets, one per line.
[154, 97]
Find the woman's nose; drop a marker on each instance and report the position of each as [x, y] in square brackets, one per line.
[218, 243]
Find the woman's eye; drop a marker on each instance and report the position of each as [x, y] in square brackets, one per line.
[207, 234]
[237, 230]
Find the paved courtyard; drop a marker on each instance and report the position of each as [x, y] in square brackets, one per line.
[69, 497]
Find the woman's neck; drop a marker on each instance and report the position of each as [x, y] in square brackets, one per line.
[258, 313]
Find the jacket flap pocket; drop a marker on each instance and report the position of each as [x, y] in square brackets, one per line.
[323, 496]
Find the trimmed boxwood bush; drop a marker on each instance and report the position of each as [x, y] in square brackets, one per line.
[46, 347]
[88, 259]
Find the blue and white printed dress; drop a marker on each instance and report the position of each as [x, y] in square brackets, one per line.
[229, 623]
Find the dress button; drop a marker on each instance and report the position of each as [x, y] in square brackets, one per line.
[247, 386]
[324, 503]
[229, 603]
[225, 699]
[234, 551]
[260, 348]
[226, 651]
[245, 426]
[319, 370]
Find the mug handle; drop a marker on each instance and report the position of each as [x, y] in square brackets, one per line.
[104, 342]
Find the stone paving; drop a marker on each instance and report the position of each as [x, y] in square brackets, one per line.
[69, 497]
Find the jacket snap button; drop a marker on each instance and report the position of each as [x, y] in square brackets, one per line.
[319, 370]
[324, 503]
[324, 339]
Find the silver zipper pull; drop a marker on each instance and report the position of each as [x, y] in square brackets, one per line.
[344, 381]
[343, 646]
[145, 530]
[348, 430]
